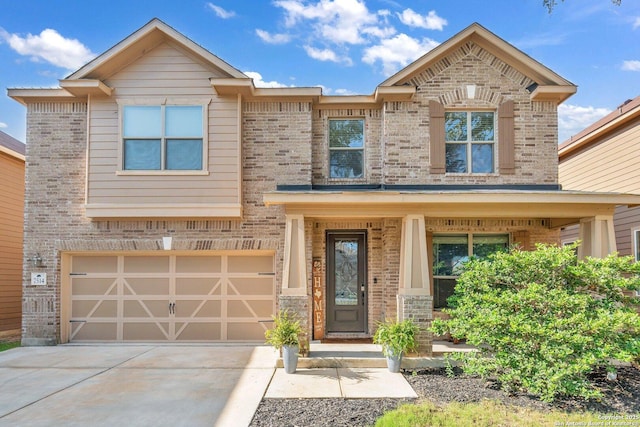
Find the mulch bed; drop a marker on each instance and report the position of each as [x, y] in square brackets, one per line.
[621, 396]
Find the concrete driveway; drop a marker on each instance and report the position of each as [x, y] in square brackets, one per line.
[133, 385]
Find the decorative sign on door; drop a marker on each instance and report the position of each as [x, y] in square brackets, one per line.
[318, 296]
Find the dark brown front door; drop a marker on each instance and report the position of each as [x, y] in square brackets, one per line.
[346, 281]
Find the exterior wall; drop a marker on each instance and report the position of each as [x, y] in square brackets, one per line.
[282, 133]
[54, 208]
[152, 79]
[11, 226]
[610, 164]
[535, 122]
[397, 135]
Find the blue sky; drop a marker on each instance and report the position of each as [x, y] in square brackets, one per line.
[345, 46]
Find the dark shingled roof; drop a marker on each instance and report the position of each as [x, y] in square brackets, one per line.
[11, 143]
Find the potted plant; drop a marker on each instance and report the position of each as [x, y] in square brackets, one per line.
[396, 337]
[284, 336]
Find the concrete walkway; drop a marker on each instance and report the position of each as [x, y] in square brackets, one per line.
[167, 385]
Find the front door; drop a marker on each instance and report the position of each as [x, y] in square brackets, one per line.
[346, 281]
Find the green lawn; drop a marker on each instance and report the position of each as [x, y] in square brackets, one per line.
[488, 414]
[9, 345]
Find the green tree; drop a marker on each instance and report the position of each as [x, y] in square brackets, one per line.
[551, 4]
[543, 320]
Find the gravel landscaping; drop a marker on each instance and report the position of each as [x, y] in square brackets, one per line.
[620, 396]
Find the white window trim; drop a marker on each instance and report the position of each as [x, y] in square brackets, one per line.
[364, 150]
[164, 101]
[634, 242]
[469, 142]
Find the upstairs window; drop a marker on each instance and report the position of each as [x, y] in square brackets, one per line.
[469, 141]
[159, 138]
[346, 148]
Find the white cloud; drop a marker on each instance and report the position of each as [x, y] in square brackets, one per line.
[220, 12]
[3, 125]
[273, 38]
[431, 21]
[344, 92]
[338, 21]
[326, 55]
[631, 65]
[397, 52]
[574, 118]
[258, 82]
[636, 23]
[51, 47]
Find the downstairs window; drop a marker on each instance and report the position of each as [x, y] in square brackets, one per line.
[452, 251]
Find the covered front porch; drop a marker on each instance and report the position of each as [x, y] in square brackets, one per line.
[390, 235]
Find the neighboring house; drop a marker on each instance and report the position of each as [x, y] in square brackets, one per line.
[11, 225]
[604, 157]
[172, 200]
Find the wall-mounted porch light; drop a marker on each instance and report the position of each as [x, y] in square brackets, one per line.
[36, 260]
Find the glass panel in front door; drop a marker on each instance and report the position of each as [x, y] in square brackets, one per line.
[346, 271]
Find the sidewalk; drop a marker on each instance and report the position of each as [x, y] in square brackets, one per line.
[350, 371]
[350, 383]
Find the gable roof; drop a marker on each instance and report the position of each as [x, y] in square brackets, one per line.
[11, 146]
[150, 35]
[625, 113]
[549, 85]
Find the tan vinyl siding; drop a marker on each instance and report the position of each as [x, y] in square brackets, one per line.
[165, 72]
[626, 220]
[610, 165]
[11, 224]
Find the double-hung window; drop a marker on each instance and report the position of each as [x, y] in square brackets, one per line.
[346, 148]
[470, 141]
[162, 138]
[451, 251]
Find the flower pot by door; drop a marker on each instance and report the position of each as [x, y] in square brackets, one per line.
[393, 362]
[290, 358]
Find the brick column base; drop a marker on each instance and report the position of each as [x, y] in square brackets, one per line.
[420, 309]
[298, 305]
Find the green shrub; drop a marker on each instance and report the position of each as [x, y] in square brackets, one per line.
[542, 320]
[286, 330]
[396, 337]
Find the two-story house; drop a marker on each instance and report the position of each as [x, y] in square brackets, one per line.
[172, 200]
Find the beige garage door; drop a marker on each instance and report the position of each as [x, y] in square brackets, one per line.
[171, 298]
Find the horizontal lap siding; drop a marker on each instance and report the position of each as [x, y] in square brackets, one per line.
[626, 220]
[11, 224]
[610, 165]
[164, 72]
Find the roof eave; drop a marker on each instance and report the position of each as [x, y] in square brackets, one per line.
[147, 37]
[491, 42]
[84, 87]
[29, 95]
[620, 117]
[556, 94]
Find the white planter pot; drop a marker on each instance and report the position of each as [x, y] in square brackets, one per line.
[290, 358]
[393, 362]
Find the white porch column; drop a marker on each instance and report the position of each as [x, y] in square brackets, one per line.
[598, 236]
[414, 267]
[294, 275]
